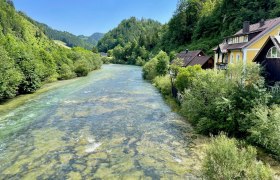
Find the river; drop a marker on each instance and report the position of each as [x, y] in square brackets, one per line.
[109, 125]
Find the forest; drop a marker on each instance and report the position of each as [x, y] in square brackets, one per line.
[24, 69]
[195, 25]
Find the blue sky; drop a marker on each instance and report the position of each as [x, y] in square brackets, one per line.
[89, 16]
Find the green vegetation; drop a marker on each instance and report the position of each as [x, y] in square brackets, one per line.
[203, 24]
[195, 25]
[29, 58]
[132, 41]
[71, 40]
[229, 159]
[157, 66]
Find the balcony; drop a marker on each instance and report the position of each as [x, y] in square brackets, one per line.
[222, 66]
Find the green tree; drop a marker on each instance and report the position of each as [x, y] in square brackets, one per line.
[162, 63]
[10, 76]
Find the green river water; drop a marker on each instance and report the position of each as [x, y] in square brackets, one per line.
[109, 125]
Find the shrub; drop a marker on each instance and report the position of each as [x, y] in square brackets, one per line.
[206, 103]
[82, 68]
[163, 83]
[10, 77]
[162, 63]
[140, 61]
[185, 77]
[265, 129]
[31, 81]
[149, 69]
[228, 159]
[157, 66]
[106, 60]
[65, 72]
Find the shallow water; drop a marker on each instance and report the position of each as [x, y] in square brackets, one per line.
[109, 125]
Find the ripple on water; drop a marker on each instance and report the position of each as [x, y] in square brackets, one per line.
[105, 126]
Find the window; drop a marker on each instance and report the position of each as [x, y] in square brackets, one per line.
[273, 53]
[246, 39]
[237, 58]
[231, 58]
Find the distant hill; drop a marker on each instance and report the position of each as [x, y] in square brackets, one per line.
[132, 30]
[93, 39]
[69, 39]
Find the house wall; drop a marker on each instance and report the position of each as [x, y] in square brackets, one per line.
[234, 54]
[271, 66]
[254, 48]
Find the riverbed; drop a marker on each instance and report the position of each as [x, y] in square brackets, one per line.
[110, 125]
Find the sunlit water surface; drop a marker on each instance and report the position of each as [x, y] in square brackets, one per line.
[109, 125]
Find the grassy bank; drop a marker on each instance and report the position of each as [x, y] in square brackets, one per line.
[10, 104]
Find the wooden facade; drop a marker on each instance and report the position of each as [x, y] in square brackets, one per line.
[271, 66]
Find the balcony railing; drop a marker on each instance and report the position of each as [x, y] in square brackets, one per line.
[222, 66]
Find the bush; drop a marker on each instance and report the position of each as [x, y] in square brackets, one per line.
[265, 129]
[10, 77]
[185, 77]
[149, 69]
[82, 68]
[228, 159]
[157, 66]
[163, 83]
[206, 103]
[65, 72]
[31, 81]
[107, 60]
[140, 61]
[162, 63]
[220, 100]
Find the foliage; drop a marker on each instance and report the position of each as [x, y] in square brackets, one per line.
[206, 102]
[29, 58]
[219, 101]
[10, 77]
[71, 40]
[149, 69]
[175, 66]
[265, 128]
[203, 24]
[228, 159]
[163, 83]
[162, 64]
[157, 66]
[185, 76]
[132, 38]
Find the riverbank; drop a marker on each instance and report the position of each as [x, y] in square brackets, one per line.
[201, 142]
[19, 100]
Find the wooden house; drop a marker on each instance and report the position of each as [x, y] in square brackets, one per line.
[269, 58]
[191, 58]
[245, 44]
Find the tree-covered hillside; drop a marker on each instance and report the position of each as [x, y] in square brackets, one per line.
[203, 24]
[93, 39]
[195, 25]
[132, 40]
[29, 58]
[71, 40]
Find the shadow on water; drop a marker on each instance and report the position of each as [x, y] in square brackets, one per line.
[110, 125]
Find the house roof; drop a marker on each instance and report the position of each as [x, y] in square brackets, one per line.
[199, 60]
[268, 26]
[275, 40]
[193, 58]
[188, 57]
